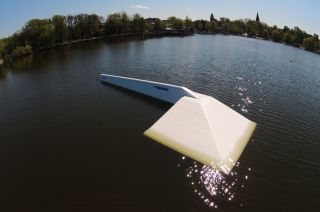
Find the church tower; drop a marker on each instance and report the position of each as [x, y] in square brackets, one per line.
[257, 18]
[211, 17]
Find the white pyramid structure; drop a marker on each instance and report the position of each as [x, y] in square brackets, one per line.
[205, 130]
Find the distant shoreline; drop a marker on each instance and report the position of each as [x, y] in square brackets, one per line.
[60, 30]
[142, 35]
[147, 35]
[259, 38]
[122, 35]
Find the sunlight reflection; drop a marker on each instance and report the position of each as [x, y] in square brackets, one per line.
[213, 187]
[244, 97]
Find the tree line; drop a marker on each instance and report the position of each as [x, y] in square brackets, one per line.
[251, 28]
[43, 33]
[37, 34]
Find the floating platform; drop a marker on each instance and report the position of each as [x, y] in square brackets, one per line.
[197, 125]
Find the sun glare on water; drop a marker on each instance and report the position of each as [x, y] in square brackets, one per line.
[213, 187]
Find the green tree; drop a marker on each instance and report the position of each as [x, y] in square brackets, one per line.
[60, 28]
[298, 36]
[238, 27]
[234, 29]
[276, 35]
[316, 41]
[82, 29]
[2, 48]
[252, 27]
[288, 38]
[70, 22]
[125, 22]
[176, 22]
[308, 44]
[11, 44]
[158, 25]
[224, 19]
[286, 29]
[21, 51]
[225, 27]
[211, 26]
[250, 30]
[188, 23]
[311, 43]
[94, 23]
[200, 26]
[138, 23]
[87, 26]
[39, 33]
[266, 34]
[113, 23]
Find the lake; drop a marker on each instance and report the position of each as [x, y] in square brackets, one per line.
[70, 143]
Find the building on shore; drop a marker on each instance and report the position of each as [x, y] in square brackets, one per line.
[257, 17]
[212, 18]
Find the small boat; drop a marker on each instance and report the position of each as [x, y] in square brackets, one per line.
[197, 125]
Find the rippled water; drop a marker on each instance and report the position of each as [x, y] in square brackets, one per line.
[68, 142]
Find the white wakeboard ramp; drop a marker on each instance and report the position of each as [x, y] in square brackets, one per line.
[197, 125]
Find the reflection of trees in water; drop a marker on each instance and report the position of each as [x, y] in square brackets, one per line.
[127, 38]
[20, 64]
[3, 72]
[39, 61]
[86, 51]
[43, 60]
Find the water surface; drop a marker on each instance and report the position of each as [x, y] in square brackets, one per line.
[68, 142]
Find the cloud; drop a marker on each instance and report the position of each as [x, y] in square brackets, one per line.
[140, 6]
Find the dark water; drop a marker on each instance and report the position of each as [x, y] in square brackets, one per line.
[70, 143]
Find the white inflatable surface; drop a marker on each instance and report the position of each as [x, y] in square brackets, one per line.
[205, 130]
[162, 91]
[197, 126]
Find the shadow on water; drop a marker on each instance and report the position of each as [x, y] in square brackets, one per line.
[3, 73]
[146, 99]
[117, 40]
[38, 61]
